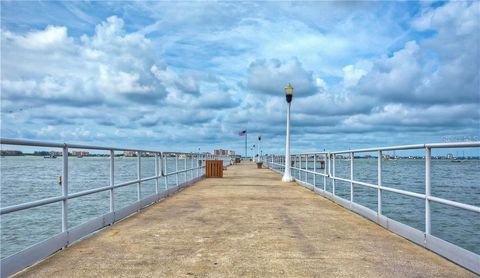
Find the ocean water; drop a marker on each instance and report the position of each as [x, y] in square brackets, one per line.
[453, 181]
[28, 178]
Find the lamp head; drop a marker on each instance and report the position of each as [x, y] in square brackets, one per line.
[289, 92]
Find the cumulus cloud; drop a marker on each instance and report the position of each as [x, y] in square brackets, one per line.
[461, 18]
[351, 75]
[330, 104]
[394, 78]
[392, 74]
[174, 82]
[270, 76]
[51, 37]
[120, 82]
[48, 64]
[441, 69]
[216, 100]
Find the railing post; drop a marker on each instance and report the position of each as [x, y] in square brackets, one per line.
[112, 181]
[65, 189]
[139, 176]
[156, 173]
[299, 167]
[379, 182]
[351, 177]
[299, 171]
[325, 172]
[306, 168]
[191, 167]
[333, 175]
[165, 170]
[176, 169]
[185, 168]
[428, 186]
[314, 171]
[198, 165]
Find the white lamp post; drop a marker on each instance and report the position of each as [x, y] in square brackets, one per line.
[287, 176]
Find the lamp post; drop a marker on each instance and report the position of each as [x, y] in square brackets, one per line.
[287, 176]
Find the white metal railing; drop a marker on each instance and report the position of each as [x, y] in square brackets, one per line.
[191, 173]
[300, 163]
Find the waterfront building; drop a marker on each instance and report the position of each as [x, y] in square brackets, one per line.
[10, 152]
[79, 153]
[129, 154]
[223, 152]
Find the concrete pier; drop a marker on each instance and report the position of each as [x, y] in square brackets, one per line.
[249, 224]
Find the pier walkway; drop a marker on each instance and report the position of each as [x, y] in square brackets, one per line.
[250, 224]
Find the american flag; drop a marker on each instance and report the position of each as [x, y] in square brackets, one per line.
[242, 133]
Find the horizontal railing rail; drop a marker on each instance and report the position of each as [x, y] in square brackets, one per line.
[300, 163]
[193, 170]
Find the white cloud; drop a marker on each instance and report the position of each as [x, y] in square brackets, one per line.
[26, 86]
[394, 78]
[352, 75]
[175, 82]
[443, 68]
[201, 76]
[271, 76]
[94, 68]
[120, 82]
[48, 39]
[392, 115]
[461, 17]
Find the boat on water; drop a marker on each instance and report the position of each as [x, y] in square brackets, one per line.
[50, 156]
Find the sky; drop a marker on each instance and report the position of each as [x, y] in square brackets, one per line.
[188, 75]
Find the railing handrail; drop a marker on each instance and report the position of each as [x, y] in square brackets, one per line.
[33, 143]
[399, 148]
[329, 175]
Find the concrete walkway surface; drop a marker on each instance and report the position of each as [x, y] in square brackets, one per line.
[247, 224]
